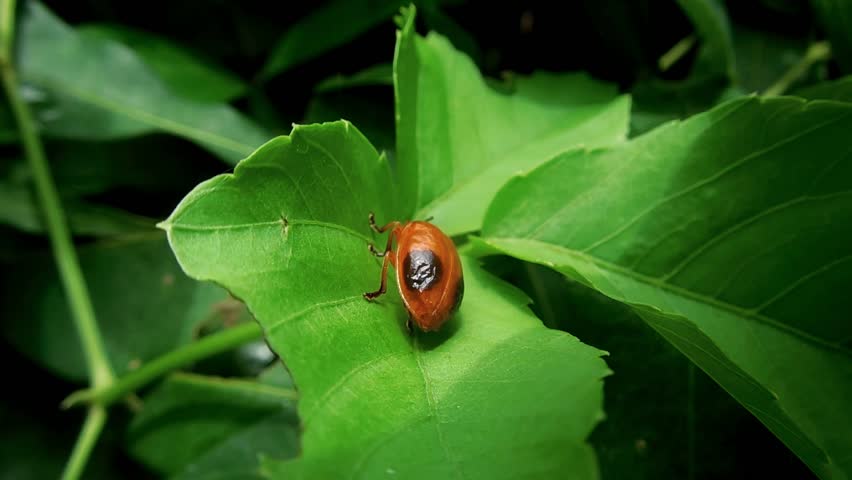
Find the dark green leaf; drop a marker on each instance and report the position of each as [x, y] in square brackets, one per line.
[458, 139]
[731, 245]
[184, 71]
[840, 90]
[381, 74]
[371, 110]
[665, 417]
[764, 56]
[835, 17]
[288, 234]
[19, 209]
[198, 427]
[713, 27]
[327, 27]
[144, 304]
[87, 87]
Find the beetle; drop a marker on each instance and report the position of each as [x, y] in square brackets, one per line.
[428, 272]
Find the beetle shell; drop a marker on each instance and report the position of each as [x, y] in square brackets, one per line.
[429, 274]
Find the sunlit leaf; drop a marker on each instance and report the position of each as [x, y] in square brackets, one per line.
[495, 392]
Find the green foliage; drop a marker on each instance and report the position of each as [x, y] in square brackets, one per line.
[693, 247]
[651, 201]
[136, 287]
[213, 420]
[458, 139]
[91, 87]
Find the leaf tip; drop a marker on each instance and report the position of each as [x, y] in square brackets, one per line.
[165, 225]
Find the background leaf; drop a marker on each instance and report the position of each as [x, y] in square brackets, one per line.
[145, 305]
[323, 30]
[691, 245]
[421, 406]
[665, 418]
[221, 425]
[840, 90]
[712, 26]
[84, 86]
[184, 71]
[458, 139]
[835, 17]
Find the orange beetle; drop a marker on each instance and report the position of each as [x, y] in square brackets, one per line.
[428, 272]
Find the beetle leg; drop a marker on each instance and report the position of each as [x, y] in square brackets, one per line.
[408, 326]
[383, 228]
[383, 286]
[388, 247]
[376, 252]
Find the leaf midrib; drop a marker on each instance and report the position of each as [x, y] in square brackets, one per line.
[674, 289]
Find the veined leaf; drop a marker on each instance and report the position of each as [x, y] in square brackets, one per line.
[494, 394]
[458, 139]
[87, 87]
[221, 425]
[181, 69]
[734, 245]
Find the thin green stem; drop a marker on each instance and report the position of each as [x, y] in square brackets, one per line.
[817, 52]
[92, 426]
[65, 256]
[57, 227]
[211, 345]
[675, 53]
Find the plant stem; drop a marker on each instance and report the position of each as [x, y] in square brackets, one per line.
[817, 52]
[64, 254]
[60, 238]
[207, 346]
[675, 53]
[92, 426]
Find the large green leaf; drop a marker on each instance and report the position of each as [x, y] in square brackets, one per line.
[459, 139]
[327, 27]
[222, 427]
[493, 395]
[144, 304]
[183, 70]
[733, 243]
[90, 87]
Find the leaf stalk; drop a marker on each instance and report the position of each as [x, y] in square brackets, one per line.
[211, 345]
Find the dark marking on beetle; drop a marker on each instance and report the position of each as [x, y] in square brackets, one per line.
[422, 269]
